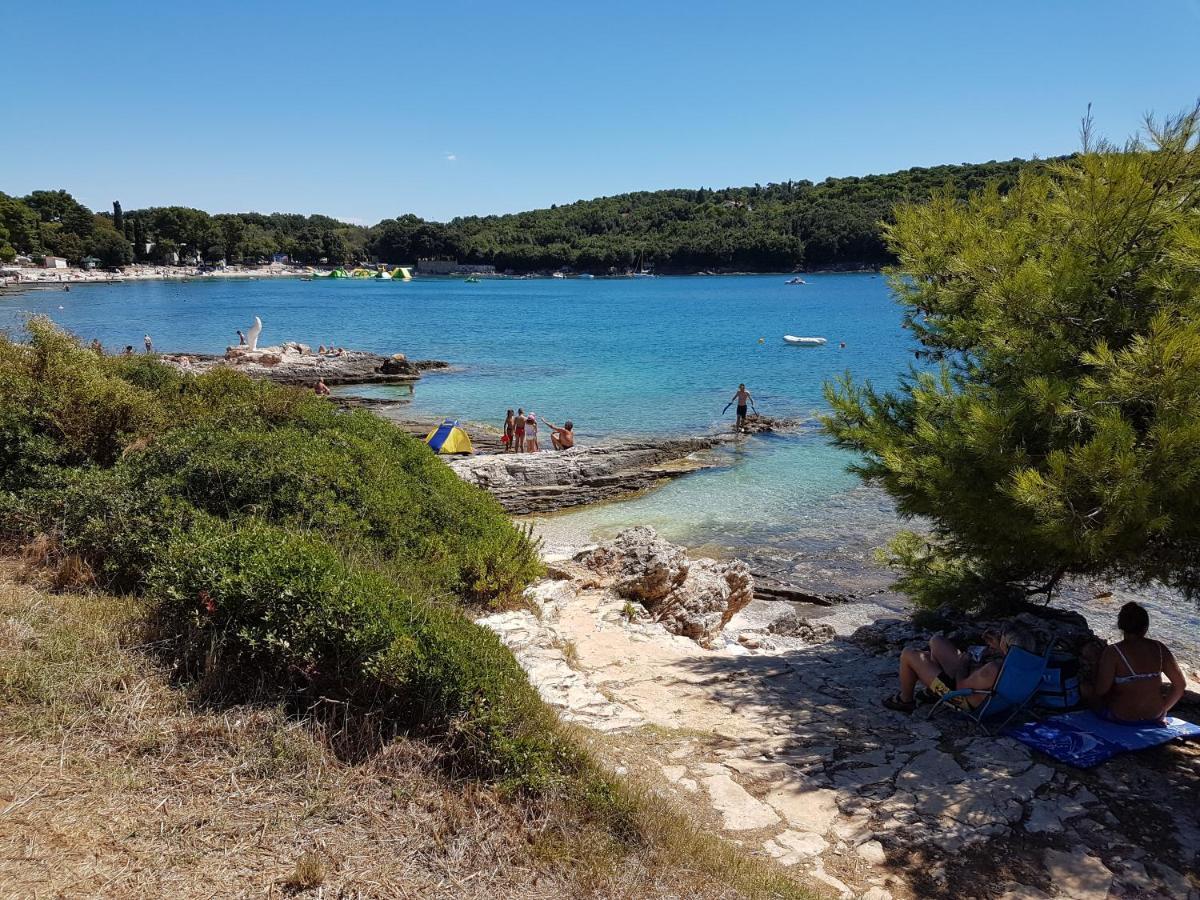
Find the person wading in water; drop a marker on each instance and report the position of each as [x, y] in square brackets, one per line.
[742, 398]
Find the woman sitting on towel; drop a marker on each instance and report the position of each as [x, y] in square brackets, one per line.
[944, 668]
[1129, 687]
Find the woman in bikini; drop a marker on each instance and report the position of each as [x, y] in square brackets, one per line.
[1129, 686]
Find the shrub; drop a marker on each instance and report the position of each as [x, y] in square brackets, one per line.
[373, 490]
[109, 453]
[114, 522]
[257, 604]
[54, 393]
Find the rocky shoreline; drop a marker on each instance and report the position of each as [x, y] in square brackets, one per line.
[298, 365]
[766, 726]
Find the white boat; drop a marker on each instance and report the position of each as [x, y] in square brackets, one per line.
[796, 280]
[805, 341]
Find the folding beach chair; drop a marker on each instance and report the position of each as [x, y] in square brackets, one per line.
[1019, 679]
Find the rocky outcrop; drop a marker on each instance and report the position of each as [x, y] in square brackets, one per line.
[557, 479]
[297, 364]
[695, 598]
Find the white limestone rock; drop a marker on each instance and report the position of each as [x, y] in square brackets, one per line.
[739, 810]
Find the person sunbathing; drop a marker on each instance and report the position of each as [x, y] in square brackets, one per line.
[944, 668]
[1129, 687]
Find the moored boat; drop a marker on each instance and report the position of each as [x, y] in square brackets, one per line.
[804, 341]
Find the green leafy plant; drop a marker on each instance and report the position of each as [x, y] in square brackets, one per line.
[1059, 433]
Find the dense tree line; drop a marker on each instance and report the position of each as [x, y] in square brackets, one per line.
[774, 227]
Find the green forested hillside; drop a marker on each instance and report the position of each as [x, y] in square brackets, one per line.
[774, 227]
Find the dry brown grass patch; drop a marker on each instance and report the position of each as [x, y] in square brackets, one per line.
[112, 784]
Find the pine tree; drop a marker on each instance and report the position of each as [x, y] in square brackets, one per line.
[1058, 431]
[118, 219]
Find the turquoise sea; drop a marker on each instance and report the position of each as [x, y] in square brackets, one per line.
[655, 356]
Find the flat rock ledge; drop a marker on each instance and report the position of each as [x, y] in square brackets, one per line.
[542, 482]
[298, 364]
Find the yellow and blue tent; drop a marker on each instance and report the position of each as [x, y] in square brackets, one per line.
[449, 438]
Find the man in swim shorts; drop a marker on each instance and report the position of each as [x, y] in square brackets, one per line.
[561, 438]
[519, 431]
[742, 398]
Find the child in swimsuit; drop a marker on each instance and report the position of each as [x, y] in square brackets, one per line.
[507, 440]
[531, 443]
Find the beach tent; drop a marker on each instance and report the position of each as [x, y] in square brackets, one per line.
[449, 438]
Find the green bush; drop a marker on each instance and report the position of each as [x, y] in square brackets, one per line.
[115, 523]
[109, 453]
[56, 394]
[373, 490]
[254, 602]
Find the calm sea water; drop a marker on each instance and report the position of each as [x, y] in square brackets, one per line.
[619, 357]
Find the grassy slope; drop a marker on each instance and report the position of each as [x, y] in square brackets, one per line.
[113, 783]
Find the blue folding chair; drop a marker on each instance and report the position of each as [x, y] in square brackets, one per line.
[1019, 679]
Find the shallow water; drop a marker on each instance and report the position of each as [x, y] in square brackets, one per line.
[645, 356]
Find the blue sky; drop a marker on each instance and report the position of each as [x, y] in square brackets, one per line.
[365, 110]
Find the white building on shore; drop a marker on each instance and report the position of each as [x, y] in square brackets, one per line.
[54, 262]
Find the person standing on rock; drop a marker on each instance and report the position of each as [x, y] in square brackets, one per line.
[149, 344]
[531, 429]
[742, 398]
[519, 430]
[507, 439]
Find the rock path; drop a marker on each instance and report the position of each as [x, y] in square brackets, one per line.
[787, 751]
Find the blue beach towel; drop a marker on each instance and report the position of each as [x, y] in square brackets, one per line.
[1083, 739]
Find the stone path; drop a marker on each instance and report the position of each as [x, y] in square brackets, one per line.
[786, 750]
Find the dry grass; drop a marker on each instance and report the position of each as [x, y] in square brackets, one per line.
[112, 784]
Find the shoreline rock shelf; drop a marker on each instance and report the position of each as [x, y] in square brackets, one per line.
[527, 483]
[298, 365]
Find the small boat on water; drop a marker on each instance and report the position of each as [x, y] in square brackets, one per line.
[805, 341]
[796, 280]
[474, 279]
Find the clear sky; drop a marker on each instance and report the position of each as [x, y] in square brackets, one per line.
[365, 110]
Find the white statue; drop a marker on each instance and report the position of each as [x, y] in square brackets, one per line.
[252, 334]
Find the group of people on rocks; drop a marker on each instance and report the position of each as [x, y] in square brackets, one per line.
[521, 433]
[1126, 687]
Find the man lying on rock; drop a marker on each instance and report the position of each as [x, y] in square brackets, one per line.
[944, 668]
